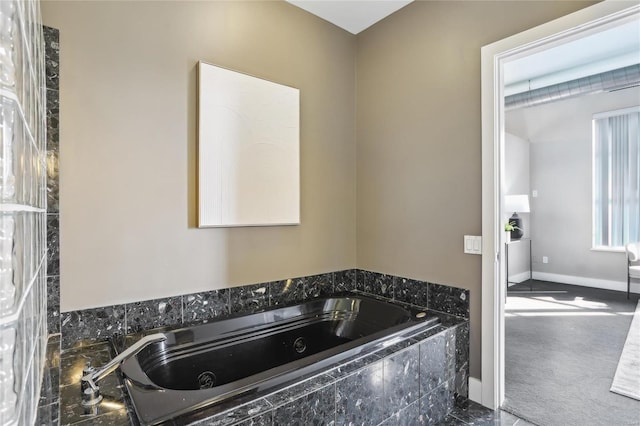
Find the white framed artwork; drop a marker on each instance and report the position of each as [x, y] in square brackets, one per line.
[248, 150]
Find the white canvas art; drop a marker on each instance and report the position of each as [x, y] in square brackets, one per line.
[248, 150]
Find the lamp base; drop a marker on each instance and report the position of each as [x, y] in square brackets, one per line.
[517, 233]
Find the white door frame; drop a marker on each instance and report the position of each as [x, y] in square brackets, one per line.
[576, 25]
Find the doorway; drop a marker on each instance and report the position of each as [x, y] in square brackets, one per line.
[494, 57]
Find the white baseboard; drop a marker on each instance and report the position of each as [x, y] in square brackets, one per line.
[518, 278]
[475, 390]
[586, 282]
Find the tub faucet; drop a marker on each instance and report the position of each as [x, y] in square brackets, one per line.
[91, 376]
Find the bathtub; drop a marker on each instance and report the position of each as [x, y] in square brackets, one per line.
[215, 366]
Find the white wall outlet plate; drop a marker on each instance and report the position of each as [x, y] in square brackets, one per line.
[472, 244]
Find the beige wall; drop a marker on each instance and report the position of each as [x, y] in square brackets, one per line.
[127, 158]
[128, 150]
[419, 138]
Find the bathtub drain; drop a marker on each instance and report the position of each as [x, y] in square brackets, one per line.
[300, 345]
[206, 380]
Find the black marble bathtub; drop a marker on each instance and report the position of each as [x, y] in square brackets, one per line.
[239, 359]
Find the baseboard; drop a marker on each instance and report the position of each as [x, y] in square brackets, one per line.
[475, 390]
[586, 282]
[518, 278]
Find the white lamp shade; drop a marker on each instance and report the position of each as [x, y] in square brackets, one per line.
[517, 203]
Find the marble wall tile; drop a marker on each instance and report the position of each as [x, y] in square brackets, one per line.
[375, 283]
[257, 408]
[318, 285]
[202, 307]
[344, 280]
[249, 298]
[462, 359]
[433, 363]
[53, 120]
[53, 245]
[91, 324]
[290, 394]
[53, 304]
[262, 420]
[359, 397]
[411, 291]
[451, 300]
[435, 406]
[409, 416]
[286, 291]
[53, 185]
[315, 408]
[48, 415]
[52, 55]
[155, 313]
[401, 380]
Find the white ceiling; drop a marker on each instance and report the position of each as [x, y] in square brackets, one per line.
[604, 51]
[351, 15]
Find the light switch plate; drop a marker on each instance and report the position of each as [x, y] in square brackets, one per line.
[472, 244]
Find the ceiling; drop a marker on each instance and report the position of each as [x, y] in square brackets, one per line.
[351, 15]
[594, 54]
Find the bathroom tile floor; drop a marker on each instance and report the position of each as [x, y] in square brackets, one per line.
[471, 413]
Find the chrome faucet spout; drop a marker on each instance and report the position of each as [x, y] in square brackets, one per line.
[88, 383]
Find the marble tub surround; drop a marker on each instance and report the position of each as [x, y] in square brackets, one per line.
[102, 323]
[49, 403]
[404, 383]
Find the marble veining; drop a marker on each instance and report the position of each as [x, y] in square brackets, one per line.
[311, 409]
[248, 411]
[53, 304]
[433, 359]
[411, 291]
[360, 396]
[95, 324]
[451, 300]
[344, 280]
[318, 286]
[286, 291]
[401, 375]
[52, 55]
[155, 313]
[53, 245]
[249, 298]
[435, 405]
[203, 307]
[375, 283]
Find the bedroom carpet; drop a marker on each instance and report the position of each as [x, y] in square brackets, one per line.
[563, 344]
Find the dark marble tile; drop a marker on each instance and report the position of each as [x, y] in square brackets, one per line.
[114, 418]
[53, 121]
[53, 245]
[462, 359]
[53, 304]
[408, 416]
[53, 185]
[344, 280]
[316, 408]
[318, 285]
[52, 56]
[92, 324]
[375, 283]
[436, 405]
[50, 387]
[473, 413]
[451, 300]
[262, 420]
[360, 396]
[401, 379]
[433, 361]
[350, 366]
[48, 415]
[73, 361]
[72, 411]
[253, 409]
[411, 291]
[249, 298]
[292, 393]
[286, 292]
[155, 313]
[450, 421]
[202, 307]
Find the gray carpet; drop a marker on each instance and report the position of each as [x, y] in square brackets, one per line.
[563, 344]
[627, 379]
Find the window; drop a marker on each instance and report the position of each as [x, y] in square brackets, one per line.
[616, 178]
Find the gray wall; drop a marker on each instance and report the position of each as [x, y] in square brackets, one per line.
[128, 146]
[419, 138]
[560, 136]
[516, 182]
